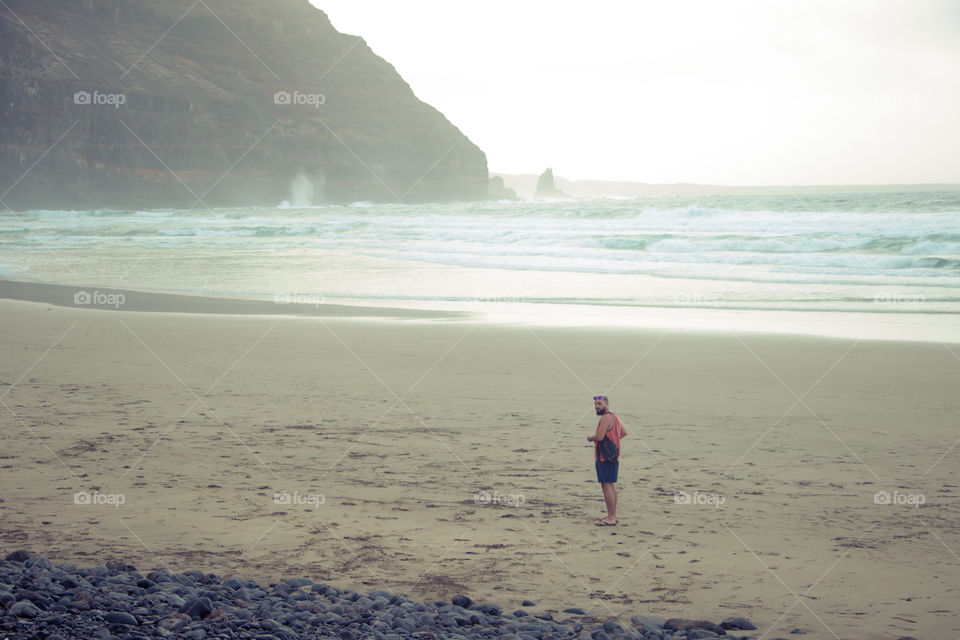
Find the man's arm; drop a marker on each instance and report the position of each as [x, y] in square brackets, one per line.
[606, 423]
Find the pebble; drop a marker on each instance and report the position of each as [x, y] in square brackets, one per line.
[115, 602]
[17, 556]
[24, 609]
[462, 601]
[738, 623]
[198, 608]
[684, 624]
[120, 617]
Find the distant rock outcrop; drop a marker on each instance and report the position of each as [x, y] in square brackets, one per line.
[497, 190]
[546, 187]
[132, 103]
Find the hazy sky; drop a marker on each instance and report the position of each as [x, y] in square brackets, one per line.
[723, 92]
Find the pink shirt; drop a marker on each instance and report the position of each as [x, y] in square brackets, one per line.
[613, 433]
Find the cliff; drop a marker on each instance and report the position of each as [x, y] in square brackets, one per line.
[183, 103]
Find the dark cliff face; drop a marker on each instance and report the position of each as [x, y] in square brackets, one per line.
[193, 103]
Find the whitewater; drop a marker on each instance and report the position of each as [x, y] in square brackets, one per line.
[882, 252]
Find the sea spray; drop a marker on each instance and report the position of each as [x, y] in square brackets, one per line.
[301, 191]
[305, 190]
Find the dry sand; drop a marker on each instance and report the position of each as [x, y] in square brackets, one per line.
[397, 438]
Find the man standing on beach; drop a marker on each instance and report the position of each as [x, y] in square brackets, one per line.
[609, 425]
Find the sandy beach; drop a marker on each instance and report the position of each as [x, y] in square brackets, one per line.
[434, 455]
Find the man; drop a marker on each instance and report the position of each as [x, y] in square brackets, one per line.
[607, 471]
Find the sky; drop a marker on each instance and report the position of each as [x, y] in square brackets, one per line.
[733, 92]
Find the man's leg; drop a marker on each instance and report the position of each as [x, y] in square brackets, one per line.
[610, 497]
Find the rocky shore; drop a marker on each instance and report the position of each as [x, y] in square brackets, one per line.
[114, 600]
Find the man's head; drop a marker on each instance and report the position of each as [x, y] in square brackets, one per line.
[601, 404]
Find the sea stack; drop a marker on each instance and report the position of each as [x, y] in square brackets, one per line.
[546, 187]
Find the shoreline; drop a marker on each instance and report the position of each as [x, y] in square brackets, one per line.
[943, 328]
[156, 302]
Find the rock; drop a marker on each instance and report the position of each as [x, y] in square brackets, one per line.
[159, 576]
[737, 622]
[298, 582]
[43, 563]
[685, 624]
[175, 600]
[119, 565]
[497, 190]
[546, 187]
[198, 608]
[528, 603]
[120, 617]
[34, 597]
[489, 609]
[799, 631]
[405, 625]
[17, 556]
[174, 622]
[462, 601]
[24, 609]
[648, 623]
[217, 615]
[105, 604]
[573, 624]
[234, 584]
[69, 583]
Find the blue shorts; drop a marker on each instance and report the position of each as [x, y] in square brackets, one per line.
[607, 471]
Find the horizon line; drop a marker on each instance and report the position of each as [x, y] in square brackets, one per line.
[752, 186]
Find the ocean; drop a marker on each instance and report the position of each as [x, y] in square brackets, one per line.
[886, 253]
